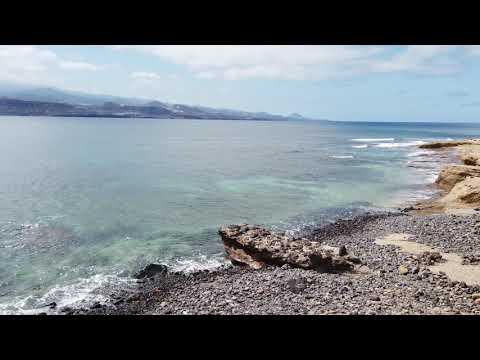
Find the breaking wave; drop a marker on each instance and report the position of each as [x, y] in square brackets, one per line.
[342, 156]
[401, 144]
[373, 140]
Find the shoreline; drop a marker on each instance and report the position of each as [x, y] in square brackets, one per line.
[394, 280]
[459, 183]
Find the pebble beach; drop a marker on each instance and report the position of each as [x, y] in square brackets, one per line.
[414, 262]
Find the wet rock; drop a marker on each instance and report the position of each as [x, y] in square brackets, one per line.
[52, 305]
[151, 270]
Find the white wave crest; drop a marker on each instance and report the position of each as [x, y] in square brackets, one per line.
[364, 146]
[402, 144]
[373, 140]
[420, 153]
[342, 156]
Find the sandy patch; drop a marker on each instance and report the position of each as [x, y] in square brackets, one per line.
[403, 242]
[453, 268]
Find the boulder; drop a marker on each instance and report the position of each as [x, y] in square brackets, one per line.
[151, 270]
[256, 247]
[453, 174]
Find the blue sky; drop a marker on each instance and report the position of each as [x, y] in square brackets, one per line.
[348, 83]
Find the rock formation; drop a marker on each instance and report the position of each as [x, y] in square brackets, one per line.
[453, 174]
[447, 144]
[256, 247]
[460, 182]
[465, 194]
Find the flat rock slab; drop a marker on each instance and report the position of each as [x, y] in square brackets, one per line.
[452, 266]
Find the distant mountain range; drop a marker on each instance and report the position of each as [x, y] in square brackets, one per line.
[44, 101]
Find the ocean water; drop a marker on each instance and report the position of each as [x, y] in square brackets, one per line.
[86, 202]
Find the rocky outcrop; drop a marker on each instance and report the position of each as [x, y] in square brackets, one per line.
[465, 194]
[256, 247]
[447, 144]
[453, 174]
[460, 182]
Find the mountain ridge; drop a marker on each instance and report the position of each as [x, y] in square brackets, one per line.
[50, 101]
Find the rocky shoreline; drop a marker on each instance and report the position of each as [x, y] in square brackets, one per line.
[422, 260]
[460, 182]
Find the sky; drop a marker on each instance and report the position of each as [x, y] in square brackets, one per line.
[345, 83]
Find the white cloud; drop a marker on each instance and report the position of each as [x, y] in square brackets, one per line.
[242, 62]
[425, 59]
[32, 64]
[77, 65]
[314, 62]
[145, 75]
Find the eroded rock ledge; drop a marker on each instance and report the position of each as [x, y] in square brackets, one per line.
[461, 183]
[256, 247]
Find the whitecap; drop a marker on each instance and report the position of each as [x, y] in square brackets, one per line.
[402, 144]
[420, 153]
[364, 146]
[373, 140]
[342, 156]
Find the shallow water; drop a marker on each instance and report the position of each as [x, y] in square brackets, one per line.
[88, 200]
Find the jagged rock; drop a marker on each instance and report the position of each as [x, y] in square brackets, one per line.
[256, 247]
[151, 270]
[446, 144]
[453, 174]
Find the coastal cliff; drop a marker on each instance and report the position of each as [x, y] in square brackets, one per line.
[460, 182]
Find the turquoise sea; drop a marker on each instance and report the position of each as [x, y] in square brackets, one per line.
[85, 202]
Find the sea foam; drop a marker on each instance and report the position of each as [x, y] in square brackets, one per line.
[342, 156]
[400, 144]
[373, 140]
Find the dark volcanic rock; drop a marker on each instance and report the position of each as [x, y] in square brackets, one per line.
[151, 270]
[288, 290]
[256, 247]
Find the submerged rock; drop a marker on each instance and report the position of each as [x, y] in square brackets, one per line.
[256, 247]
